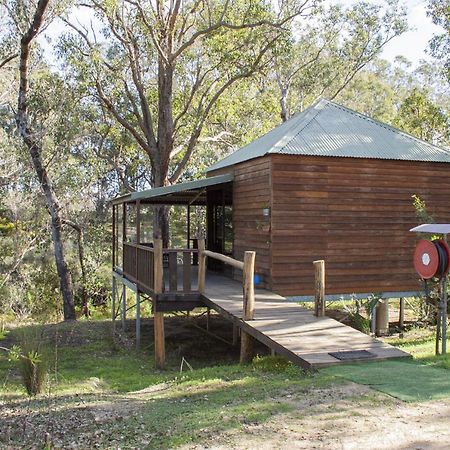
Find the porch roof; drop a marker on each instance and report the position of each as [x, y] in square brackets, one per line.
[191, 192]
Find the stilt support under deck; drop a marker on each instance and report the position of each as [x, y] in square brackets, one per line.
[160, 347]
[235, 335]
[158, 320]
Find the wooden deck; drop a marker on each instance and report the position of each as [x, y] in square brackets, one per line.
[290, 330]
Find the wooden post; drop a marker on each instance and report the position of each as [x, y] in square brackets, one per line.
[138, 222]
[201, 266]
[138, 319]
[248, 305]
[138, 237]
[123, 311]
[249, 285]
[235, 335]
[188, 231]
[208, 316]
[401, 316]
[124, 223]
[158, 320]
[319, 299]
[114, 250]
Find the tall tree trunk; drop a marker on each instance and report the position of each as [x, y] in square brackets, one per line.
[161, 212]
[32, 142]
[165, 145]
[283, 104]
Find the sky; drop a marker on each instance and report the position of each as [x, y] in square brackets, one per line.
[412, 44]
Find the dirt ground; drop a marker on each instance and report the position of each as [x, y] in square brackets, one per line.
[349, 417]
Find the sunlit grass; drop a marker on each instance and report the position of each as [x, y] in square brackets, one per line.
[420, 343]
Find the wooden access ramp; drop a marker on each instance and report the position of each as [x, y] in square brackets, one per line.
[290, 330]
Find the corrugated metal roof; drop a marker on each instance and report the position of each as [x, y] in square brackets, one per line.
[175, 188]
[329, 129]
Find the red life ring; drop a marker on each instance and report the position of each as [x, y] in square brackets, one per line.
[426, 259]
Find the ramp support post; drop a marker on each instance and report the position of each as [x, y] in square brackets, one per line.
[158, 317]
[249, 305]
[319, 298]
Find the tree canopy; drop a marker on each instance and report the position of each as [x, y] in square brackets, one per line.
[141, 93]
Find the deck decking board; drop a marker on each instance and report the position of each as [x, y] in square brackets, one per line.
[291, 330]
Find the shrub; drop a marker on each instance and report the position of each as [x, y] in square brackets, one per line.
[359, 322]
[270, 363]
[33, 360]
[34, 372]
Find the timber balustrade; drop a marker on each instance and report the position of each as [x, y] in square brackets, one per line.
[143, 264]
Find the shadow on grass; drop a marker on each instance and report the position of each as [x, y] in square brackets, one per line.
[187, 408]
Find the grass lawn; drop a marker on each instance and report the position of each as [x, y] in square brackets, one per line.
[104, 394]
[107, 393]
[425, 377]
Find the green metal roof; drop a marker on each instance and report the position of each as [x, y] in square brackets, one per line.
[329, 129]
[190, 188]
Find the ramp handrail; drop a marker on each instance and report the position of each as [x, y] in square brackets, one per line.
[248, 270]
[248, 286]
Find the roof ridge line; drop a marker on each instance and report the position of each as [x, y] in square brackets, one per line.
[307, 121]
[388, 127]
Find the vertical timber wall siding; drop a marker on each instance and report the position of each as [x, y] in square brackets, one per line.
[353, 213]
[251, 194]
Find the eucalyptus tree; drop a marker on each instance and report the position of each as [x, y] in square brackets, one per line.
[420, 116]
[439, 11]
[327, 54]
[159, 68]
[33, 139]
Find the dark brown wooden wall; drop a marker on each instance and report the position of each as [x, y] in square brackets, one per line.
[251, 194]
[353, 213]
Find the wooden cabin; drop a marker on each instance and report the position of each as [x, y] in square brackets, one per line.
[329, 184]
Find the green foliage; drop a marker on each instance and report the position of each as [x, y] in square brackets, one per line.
[271, 363]
[421, 117]
[359, 322]
[422, 214]
[92, 158]
[33, 371]
[439, 11]
[33, 361]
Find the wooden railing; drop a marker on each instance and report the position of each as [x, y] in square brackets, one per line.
[138, 264]
[248, 269]
[179, 260]
[142, 266]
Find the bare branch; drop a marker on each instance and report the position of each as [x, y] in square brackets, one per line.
[8, 59]
[198, 129]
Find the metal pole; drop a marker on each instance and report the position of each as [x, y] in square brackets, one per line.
[138, 319]
[113, 302]
[444, 311]
[124, 306]
[444, 316]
